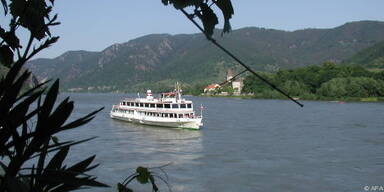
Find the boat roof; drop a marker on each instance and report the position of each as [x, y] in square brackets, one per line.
[164, 100]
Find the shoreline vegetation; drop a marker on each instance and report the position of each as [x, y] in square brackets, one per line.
[328, 99]
[327, 82]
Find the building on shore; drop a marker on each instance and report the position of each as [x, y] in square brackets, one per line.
[211, 88]
[235, 86]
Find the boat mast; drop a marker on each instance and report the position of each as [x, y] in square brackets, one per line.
[178, 92]
[201, 110]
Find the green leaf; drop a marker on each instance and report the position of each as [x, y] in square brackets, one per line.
[227, 10]
[50, 99]
[63, 179]
[12, 74]
[209, 19]
[6, 56]
[19, 111]
[57, 160]
[5, 6]
[55, 140]
[154, 186]
[15, 185]
[165, 2]
[3, 168]
[81, 121]
[81, 166]
[31, 16]
[9, 97]
[60, 115]
[143, 175]
[181, 4]
[44, 45]
[17, 7]
[123, 188]
[58, 146]
[32, 91]
[11, 39]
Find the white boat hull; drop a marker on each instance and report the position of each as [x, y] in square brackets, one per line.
[189, 123]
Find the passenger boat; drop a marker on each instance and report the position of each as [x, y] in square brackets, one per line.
[168, 110]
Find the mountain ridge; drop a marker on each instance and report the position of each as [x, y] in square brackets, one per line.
[190, 58]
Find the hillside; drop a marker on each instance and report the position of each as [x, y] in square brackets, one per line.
[371, 57]
[192, 59]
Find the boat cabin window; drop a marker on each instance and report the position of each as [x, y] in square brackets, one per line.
[153, 105]
[159, 105]
[131, 104]
[167, 106]
[171, 115]
[180, 115]
[189, 106]
[136, 104]
[175, 106]
[141, 104]
[182, 106]
[146, 104]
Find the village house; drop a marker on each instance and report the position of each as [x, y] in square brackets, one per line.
[236, 85]
[211, 88]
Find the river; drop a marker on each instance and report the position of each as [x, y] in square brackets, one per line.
[244, 145]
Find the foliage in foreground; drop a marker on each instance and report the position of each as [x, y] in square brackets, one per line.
[32, 157]
[27, 139]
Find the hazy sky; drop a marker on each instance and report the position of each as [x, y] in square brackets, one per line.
[94, 25]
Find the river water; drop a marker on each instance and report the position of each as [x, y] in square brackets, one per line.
[244, 145]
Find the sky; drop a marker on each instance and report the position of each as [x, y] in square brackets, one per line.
[94, 25]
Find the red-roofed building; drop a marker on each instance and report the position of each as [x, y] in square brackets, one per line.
[211, 87]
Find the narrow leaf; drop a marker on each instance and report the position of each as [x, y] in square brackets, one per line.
[122, 188]
[57, 160]
[5, 6]
[50, 99]
[60, 115]
[81, 166]
[6, 56]
[32, 90]
[56, 147]
[81, 121]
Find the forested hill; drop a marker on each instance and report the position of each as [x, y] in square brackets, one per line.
[164, 58]
[372, 57]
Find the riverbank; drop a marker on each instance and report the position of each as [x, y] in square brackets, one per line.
[312, 98]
